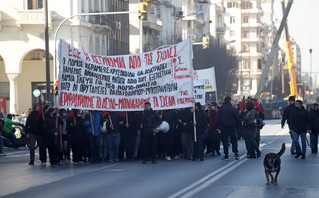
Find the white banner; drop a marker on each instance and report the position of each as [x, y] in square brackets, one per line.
[163, 77]
[209, 76]
[199, 90]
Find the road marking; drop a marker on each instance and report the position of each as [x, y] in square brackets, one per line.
[104, 167]
[204, 182]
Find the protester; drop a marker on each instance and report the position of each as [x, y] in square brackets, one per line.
[185, 120]
[150, 120]
[76, 129]
[9, 129]
[227, 121]
[2, 122]
[132, 126]
[299, 127]
[65, 152]
[32, 129]
[92, 122]
[250, 129]
[200, 124]
[167, 139]
[314, 120]
[287, 115]
[103, 136]
[214, 135]
[114, 136]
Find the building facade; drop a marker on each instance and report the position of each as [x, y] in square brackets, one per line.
[244, 26]
[22, 65]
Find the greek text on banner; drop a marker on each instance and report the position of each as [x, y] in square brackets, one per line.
[93, 82]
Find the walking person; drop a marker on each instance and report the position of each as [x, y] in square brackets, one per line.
[9, 129]
[2, 122]
[200, 124]
[150, 120]
[299, 127]
[32, 130]
[92, 122]
[65, 152]
[114, 136]
[250, 129]
[227, 121]
[76, 129]
[185, 121]
[314, 119]
[215, 136]
[287, 115]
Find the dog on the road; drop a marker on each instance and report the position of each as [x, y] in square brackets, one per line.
[272, 164]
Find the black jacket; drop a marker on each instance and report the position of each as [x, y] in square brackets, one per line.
[186, 116]
[77, 129]
[150, 119]
[287, 115]
[170, 117]
[314, 119]
[227, 117]
[32, 125]
[300, 120]
[201, 121]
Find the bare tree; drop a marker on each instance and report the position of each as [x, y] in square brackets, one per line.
[225, 63]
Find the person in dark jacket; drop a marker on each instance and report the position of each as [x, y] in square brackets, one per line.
[150, 120]
[250, 129]
[227, 122]
[299, 126]
[51, 127]
[32, 129]
[185, 121]
[287, 115]
[77, 130]
[214, 135]
[314, 119]
[132, 128]
[166, 139]
[200, 124]
[92, 123]
[114, 135]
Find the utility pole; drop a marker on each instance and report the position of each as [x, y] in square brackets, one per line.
[310, 51]
[47, 55]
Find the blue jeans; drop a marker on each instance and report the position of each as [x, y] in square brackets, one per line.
[295, 137]
[113, 143]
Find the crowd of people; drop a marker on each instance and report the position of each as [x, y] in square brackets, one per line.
[92, 136]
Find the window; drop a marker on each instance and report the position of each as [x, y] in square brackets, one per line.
[245, 34]
[5, 90]
[259, 63]
[232, 33]
[246, 64]
[232, 19]
[158, 11]
[245, 48]
[232, 5]
[245, 19]
[35, 4]
[246, 5]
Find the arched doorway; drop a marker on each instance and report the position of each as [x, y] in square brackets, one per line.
[4, 88]
[33, 76]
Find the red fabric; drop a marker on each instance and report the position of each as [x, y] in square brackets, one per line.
[71, 114]
[242, 104]
[261, 109]
[212, 121]
[40, 110]
[122, 114]
[106, 113]
[256, 103]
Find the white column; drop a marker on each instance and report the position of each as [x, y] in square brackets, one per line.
[13, 78]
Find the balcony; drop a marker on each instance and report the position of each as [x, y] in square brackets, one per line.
[252, 11]
[221, 30]
[252, 25]
[34, 17]
[153, 22]
[101, 23]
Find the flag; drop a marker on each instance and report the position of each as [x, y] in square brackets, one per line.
[242, 104]
[71, 114]
[256, 103]
[105, 114]
[261, 109]
[40, 110]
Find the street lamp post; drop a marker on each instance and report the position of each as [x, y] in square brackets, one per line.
[310, 51]
[75, 15]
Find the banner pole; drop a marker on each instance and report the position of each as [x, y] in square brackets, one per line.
[92, 123]
[194, 121]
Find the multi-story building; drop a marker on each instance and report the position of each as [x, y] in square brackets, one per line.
[217, 24]
[22, 66]
[162, 26]
[245, 28]
[296, 53]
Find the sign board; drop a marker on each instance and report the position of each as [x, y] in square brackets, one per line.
[124, 83]
[36, 93]
[209, 76]
[199, 90]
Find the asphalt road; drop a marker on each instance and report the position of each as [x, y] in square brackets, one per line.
[177, 178]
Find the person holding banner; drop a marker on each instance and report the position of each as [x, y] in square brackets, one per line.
[226, 124]
[76, 129]
[114, 136]
[93, 128]
[214, 136]
[185, 120]
[150, 120]
[170, 117]
[200, 124]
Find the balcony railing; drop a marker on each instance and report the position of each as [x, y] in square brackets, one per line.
[34, 17]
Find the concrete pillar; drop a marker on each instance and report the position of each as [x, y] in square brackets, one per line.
[13, 79]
